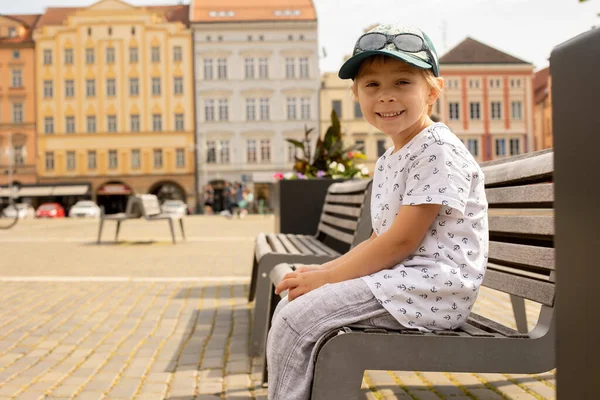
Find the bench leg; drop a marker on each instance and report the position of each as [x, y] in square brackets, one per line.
[275, 299]
[182, 230]
[334, 379]
[253, 279]
[117, 231]
[100, 230]
[172, 230]
[262, 300]
[518, 305]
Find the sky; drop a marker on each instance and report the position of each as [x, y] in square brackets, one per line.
[527, 29]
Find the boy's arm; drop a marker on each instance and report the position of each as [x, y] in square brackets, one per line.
[351, 253]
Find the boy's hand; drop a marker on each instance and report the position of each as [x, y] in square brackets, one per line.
[307, 267]
[299, 283]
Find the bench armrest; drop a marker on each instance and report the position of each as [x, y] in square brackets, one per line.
[277, 274]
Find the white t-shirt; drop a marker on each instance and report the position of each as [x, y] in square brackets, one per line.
[436, 286]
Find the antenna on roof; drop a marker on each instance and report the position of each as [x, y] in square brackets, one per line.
[444, 29]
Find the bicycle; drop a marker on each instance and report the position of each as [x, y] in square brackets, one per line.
[6, 220]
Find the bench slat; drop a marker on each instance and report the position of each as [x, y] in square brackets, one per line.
[313, 247]
[275, 243]
[525, 194]
[535, 256]
[527, 225]
[340, 222]
[487, 324]
[299, 245]
[529, 167]
[288, 245]
[328, 251]
[527, 288]
[357, 199]
[474, 331]
[342, 210]
[350, 186]
[339, 235]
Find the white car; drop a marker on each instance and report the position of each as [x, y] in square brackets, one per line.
[85, 208]
[174, 207]
[22, 210]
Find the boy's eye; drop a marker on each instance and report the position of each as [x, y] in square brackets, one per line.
[371, 84]
[403, 82]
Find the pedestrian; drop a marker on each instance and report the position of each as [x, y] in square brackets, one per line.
[425, 261]
[209, 199]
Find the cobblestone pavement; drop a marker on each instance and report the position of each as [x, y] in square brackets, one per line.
[148, 320]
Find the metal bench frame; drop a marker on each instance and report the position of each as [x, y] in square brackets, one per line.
[521, 263]
[345, 222]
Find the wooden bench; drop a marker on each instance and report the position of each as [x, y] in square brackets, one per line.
[521, 263]
[345, 222]
[138, 206]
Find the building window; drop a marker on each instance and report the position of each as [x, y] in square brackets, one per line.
[91, 124]
[249, 68]
[357, 110]
[90, 87]
[360, 146]
[223, 110]
[265, 150]
[111, 87]
[179, 158]
[304, 73]
[224, 151]
[135, 122]
[494, 83]
[209, 110]
[515, 83]
[90, 57]
[211, 152]
[515, 147]
[264, 109]
[179, 125]
[208, 69]
[452, 83]
[49, 125]
[69, 88]
[178, 85]
[496, 110]
[155, 54]
[49, 161]
[156, 86]
[305, 108]
[158, 158]
[16, 54]
[474, 83]
[156, 122]
[134, 86]
[20, 155]
[500, 147]
[473, 146]
[111, 122]
[250, 109]
[292, 152]
[91, 160]
[222, 68]
[110, 55]
[475, 109]
[290, 67]
[336, 105]
[70, 124]
[17, 113]
[68, 56]
[517, 110]
[454, 111]
[380, 147]
[177, 54]
[12, 32]
[70, 161]
[17, 78]
[133, 55]
[48, 89]
[263, 67]
[136, 160]
[113, 160]
[291, 108]
[48, 60]
[251, 151]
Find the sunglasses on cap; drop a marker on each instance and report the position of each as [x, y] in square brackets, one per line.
[407, 42]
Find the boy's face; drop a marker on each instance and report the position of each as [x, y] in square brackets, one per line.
[394, 97]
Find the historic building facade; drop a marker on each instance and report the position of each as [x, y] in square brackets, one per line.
[543, 110]
[115, 100]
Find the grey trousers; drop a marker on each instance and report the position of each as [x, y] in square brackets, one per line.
[297, 326]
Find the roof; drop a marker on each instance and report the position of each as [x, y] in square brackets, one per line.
[29, 21]
[57, 15]
[253, 10]
[471, 51]
[540, 84]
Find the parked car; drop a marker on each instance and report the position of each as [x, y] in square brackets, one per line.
[50, 210]
[85, 208]
[22, 210]
[174, 207]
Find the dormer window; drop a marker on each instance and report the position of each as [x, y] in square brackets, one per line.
[12, 32]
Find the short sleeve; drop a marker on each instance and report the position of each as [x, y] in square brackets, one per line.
[439, 174]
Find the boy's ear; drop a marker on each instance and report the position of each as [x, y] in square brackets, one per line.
[434, 92]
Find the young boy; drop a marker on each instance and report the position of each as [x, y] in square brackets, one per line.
[426, 259]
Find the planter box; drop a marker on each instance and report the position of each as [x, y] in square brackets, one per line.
[297, 204]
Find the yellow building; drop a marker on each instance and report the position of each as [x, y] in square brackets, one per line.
[17, 100]
[115, 101]
[542, 138]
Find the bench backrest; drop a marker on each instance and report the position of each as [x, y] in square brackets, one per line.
[346, 215]
[149, 205]
[520, 194]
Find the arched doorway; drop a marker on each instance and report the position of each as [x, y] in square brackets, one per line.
[113, 196]
[168, 190]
